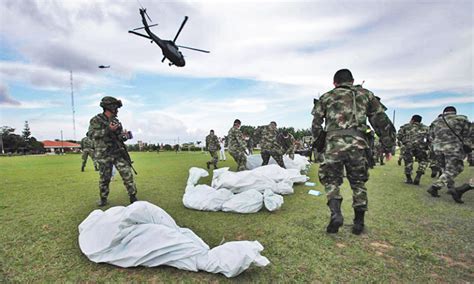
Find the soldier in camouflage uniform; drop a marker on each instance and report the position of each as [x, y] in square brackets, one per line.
[378, 152]
[213, 145]
[269, 145]
[108, 135]
[287, 142]
[414, 137]
[87, 147]
[344, 110]
[237, 146]
[445, 133]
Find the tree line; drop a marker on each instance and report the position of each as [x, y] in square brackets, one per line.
[13, 143]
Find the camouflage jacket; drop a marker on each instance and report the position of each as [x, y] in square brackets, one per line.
[443, 139]
[106, 141]
[212, 143]
[345, 110]
[236, 140]
[269, 139]
[288, 144]
[87, 144]
[413, 134]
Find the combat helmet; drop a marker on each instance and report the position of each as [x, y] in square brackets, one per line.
[110, 103]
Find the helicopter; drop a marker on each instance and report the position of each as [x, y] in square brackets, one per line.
[104, 66]
[168, 47]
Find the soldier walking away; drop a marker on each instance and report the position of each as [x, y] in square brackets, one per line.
[344, 110]
[287, 142]
[87, 147]
[237, 146]
[108, 135]
[449, 135]
[269, 145]
[414, 137]
[212, 145]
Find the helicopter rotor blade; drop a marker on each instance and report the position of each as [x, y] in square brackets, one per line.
[163, 60]
[144, 27]
[195, 49]
[180, 28]
[139, 34]
[146, 14]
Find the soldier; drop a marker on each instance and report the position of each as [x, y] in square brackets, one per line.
[402, 149]
[414, 137]
[378, 153]
[449, 135]
[87, 147]
[269, 145]
[108, 135]
[344, 111]
[237, 146]
[212, 145]
[287, 142]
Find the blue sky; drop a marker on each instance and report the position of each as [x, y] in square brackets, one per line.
[268, 60]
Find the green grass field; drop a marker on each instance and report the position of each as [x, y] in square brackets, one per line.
[410, 237]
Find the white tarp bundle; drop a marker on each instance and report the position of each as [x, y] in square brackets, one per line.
[299, 163]
[240, 192]
[143, 234]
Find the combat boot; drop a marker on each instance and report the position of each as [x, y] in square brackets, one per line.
[82, 168]
[409, 180]
[399, 162]
[215, 166]
[434, 172]
[433, 190]
[417, 179]
[133, 198]
[457, 192]
[208, 164]
[358, 226]
[102, 202]
[336, 220]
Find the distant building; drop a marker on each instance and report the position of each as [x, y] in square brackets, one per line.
[57, 146]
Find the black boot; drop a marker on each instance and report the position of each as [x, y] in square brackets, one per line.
[82, 168]
[433, 190]
[457, 192]
[208, 164]
[417, 179]
[133, 198]
[409, 180]
[399, 162]
[102, 202]
[336, 220]
[358, 222]
[215, 165]
[434, 172]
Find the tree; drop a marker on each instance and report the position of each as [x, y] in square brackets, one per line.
[26, 132]
[4, 132]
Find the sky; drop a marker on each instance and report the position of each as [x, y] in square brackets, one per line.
[268, 60]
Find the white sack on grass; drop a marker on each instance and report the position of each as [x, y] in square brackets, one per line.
[143, 234]
[300, 163]
[238, 182]
[278, 174]
[203, 197]
[249, 201]
[272, 201]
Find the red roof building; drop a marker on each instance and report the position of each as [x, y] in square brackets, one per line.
[57, 146]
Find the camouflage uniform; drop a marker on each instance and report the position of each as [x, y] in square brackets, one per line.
[448, 148]
[212, 144]
[414, 137]
[109, 153]
[270, 146]
[237, 148]
[345, 110]
[378, 152]
[288, 145]
[87, 147]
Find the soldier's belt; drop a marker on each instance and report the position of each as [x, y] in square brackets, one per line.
[345, 132]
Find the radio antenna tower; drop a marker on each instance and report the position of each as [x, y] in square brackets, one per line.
[73, 110]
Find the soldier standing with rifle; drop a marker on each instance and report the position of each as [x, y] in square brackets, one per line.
[108, 135]
[345, 110]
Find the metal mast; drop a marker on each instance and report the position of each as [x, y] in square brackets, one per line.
[73, 109]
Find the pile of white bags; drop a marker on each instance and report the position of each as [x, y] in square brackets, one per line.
[299, 163]
[240, 192]
[143, 234]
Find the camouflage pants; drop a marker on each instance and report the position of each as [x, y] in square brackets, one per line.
[85, 154]
[214, 158]
[331, 173]
[453, 166]
[240, 159]
[402, 150]
[105, 170]
[421, 157]
[275, 155]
